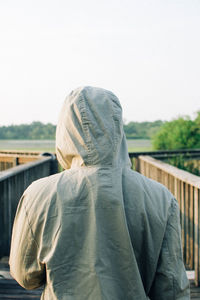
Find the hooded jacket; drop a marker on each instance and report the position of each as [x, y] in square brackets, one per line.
[98, 230]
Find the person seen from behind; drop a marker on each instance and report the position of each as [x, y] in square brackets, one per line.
[98, 230]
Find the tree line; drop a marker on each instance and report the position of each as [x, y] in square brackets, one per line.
[142, 130]
[180, 133]
[40, 131]
[33, 131]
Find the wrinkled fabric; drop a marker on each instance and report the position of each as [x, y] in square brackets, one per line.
[98, 230]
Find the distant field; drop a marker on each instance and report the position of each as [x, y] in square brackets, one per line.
[37, 145]
[139, 145]
[49, 145]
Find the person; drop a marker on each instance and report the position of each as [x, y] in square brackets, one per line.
[98, 230]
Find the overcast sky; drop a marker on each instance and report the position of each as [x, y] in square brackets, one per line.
[146, 51]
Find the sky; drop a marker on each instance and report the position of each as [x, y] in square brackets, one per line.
[145, 51]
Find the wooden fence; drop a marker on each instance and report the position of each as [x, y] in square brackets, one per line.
[20, 152]
[186, 189]
[8, 161]
[12, 184]
[184, 186]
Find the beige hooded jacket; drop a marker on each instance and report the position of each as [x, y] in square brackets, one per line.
[98, 230]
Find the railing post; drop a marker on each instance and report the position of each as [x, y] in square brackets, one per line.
[197, 236]
[183, 219]
[15, 161]
[54, 162]
[13, 182]
[187, 244]
[137, 164]
[186, 188]
[191, 227]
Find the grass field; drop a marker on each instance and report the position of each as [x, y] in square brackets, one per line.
[32, 145]
[49, 145]
[139, 145]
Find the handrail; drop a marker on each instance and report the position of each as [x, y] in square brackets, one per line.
[10, 160]
[165, 152]
[21, 168]
[186, 189]
[20, 152]
[174, 171]
[13, 182]
[184, 185]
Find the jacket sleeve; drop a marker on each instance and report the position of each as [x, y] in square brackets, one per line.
[170, 282]
[25, 266]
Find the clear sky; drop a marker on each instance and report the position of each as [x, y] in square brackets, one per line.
[146, 51]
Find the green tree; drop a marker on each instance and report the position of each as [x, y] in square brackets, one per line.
[181, 133]
[35, 130]
[142, 130]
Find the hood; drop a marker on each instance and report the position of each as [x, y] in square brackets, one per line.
[90, 130]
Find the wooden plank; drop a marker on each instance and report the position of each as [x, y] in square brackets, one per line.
[18, 169]
[187, 190]
[180, 174]
[20, 152]
[25, 159]
[187, 239]
[137, 164]
[9, 289]
[183, 219]
[165, 153]
[6, 159]
[196, 237]
[22, 159]
[159, 175]
[191, 228]
[176, 188]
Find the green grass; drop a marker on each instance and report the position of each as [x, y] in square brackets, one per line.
[49, 145]
[28, 145]
[138, 145]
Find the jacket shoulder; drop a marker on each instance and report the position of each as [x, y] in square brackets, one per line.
[47, 183]
[149, 185]
[149, 194]
[41, 192]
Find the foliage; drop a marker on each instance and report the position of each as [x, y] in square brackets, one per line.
[142, 130]
[182, 133]
[33, 131]
[186, 163]
[39, 131]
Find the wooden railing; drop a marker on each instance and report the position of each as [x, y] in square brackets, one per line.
[8, 161]
[13, 182]
[186, 189]
[184, 186]
[11, 158]
[20, 152]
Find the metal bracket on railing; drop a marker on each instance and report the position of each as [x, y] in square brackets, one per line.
[54, 162]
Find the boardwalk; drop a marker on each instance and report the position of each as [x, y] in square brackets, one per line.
[10, 289]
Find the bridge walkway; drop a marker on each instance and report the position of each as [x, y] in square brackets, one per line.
[10, 289]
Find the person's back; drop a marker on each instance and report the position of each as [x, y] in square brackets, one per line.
[98, 230]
